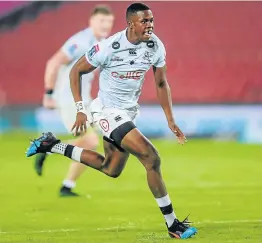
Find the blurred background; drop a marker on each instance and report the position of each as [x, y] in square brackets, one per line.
[214, 68]
[214, 57]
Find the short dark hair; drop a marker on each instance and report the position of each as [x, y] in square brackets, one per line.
[102, 9]
[134, 8]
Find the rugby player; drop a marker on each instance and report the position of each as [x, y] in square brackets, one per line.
[124, 59]
[58, 94]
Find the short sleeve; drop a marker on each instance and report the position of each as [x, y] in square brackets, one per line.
[160, 58]
[72, 47]
[97, 54]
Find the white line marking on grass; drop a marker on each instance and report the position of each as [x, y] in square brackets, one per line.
[39, 231]
[202, 222]
[230, 221]
[126, 225]
[116, 228]
[129, 227]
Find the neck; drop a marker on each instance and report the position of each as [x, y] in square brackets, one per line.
[131, 37]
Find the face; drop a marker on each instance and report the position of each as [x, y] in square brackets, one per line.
[102, 25]
[143, 25]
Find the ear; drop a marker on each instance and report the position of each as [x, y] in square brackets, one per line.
[130, 24]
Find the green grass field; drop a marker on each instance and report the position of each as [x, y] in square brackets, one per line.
[219, 183]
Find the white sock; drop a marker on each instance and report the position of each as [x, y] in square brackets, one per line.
[70, 151]
[166, 208]
[59, 148]
[69, 183]
[76, 154]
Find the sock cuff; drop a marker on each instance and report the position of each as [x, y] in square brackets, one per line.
[76, 153]
[167, 209]
[163, 201]
[69, 183]
[69, 150]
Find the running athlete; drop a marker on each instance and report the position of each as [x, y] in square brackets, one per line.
[124, 59]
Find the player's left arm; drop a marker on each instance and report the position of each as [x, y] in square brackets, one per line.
[80, 67]
[165, 99]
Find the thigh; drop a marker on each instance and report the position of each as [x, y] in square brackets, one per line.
[115, 160]
[138, 145]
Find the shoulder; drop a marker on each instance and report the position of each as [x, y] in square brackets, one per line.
[112, 43]
[81, 36]
[104, 49]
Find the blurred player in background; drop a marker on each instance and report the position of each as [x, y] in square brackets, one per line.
[58, 93]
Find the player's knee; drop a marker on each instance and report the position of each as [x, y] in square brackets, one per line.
[111, 172]
[153, 161]
[152, 158]
[108, 170]
[156, 161]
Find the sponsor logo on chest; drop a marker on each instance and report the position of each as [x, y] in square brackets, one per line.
[136, 75]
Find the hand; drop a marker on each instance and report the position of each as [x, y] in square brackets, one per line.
[80, 123]
[179, 134]
[49, 102]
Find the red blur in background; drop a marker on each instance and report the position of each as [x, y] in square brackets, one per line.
[214, 50]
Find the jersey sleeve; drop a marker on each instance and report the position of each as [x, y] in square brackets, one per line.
[160, 58]
[72, 47]
[97, 54]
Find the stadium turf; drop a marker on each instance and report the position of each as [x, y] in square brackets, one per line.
[218, 183]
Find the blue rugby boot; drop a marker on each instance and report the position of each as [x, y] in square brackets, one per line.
[42, 144]
[181, 230]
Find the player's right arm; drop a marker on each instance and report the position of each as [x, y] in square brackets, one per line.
[94, 58]
[82, 66]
